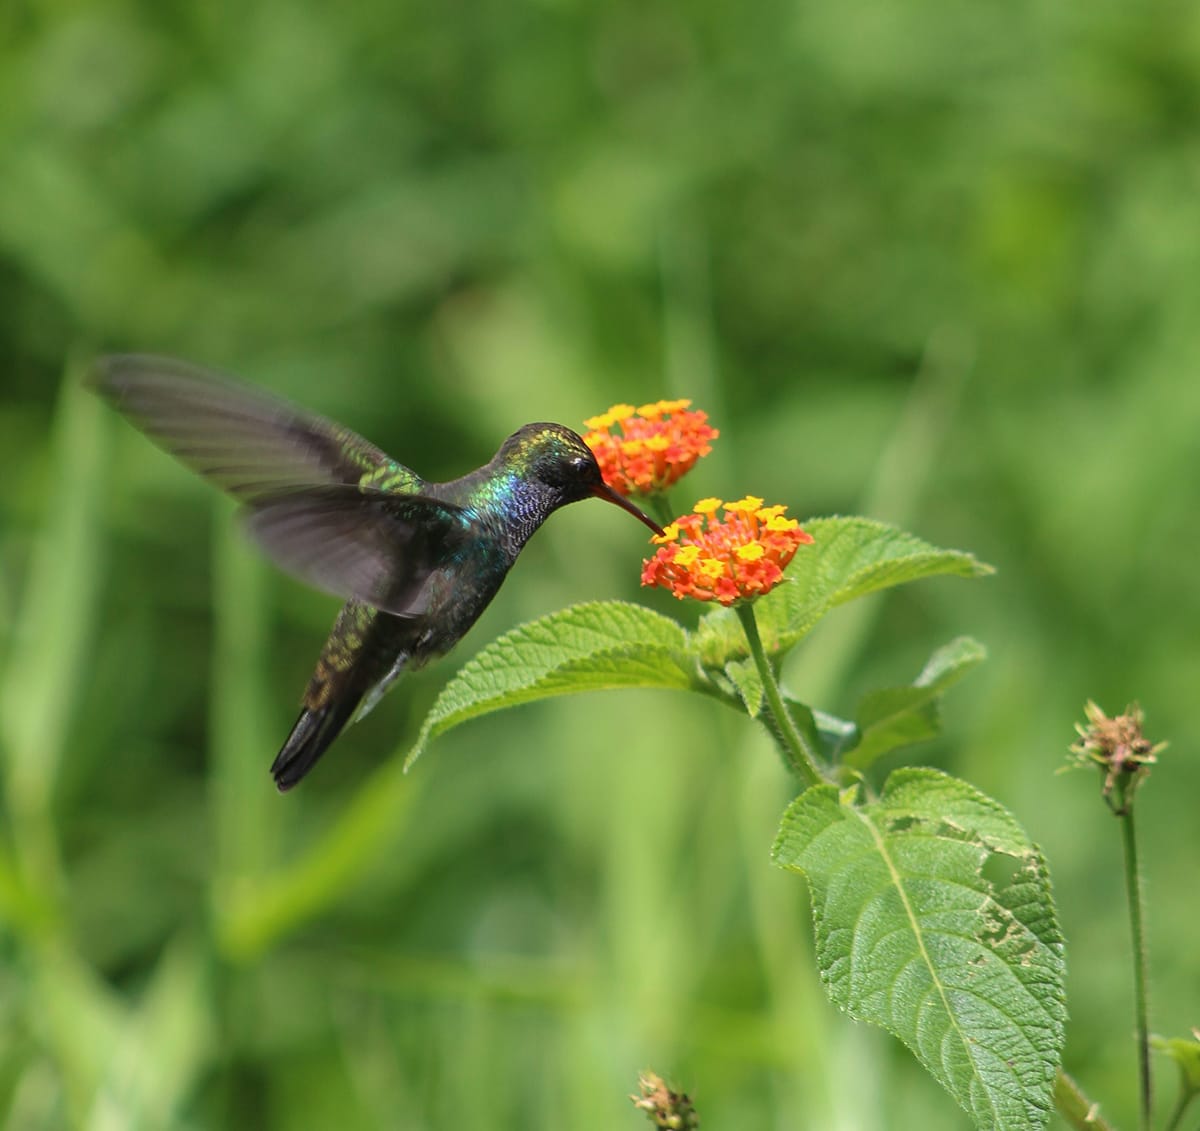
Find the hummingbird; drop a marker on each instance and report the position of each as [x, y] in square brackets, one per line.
[416, 562]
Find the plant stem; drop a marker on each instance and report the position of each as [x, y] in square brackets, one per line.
[1181, 1105]
[1133, 896]
[799, 754]
[1074, 1106]
[660, 508]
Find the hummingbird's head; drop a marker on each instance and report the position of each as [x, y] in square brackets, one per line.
[558, 459]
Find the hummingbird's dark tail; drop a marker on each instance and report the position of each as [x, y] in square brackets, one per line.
[310, 738]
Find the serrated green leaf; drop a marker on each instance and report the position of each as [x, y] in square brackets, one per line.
[934, 919]
[950, 663]
[849, 557]
[590, 647]
[899, 716]
[860, 556]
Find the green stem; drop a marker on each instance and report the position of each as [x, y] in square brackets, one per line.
[1133, 896]
[660, 508]
[1075, 1107]
[799, 754]
[1186, 1095]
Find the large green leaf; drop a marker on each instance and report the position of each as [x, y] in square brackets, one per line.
[849, 557]
[899, 716]
[888, 718]
[591, 647]
[934, 919]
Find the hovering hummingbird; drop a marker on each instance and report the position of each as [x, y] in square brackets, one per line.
[418, 562]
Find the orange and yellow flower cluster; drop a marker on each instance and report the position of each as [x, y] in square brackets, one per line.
[730, 559]
[644, 450]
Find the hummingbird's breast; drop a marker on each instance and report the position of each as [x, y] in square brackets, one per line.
[457, 591]
[369, 648]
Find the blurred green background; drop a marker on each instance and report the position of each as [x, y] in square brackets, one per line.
[935, 262]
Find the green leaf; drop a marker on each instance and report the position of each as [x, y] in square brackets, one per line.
[168, 1040]
[833, 735]
[849, 557]
[82, 1019]
[829, 735]
[900, 716]
[591, 647]
[743, 674]
[1186, 1053]
[934, 919]
[255, 914]
[47, 667]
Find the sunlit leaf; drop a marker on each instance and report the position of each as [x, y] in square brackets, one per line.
[934, 919]
[899, 716]
[592, 647]
[849, 557]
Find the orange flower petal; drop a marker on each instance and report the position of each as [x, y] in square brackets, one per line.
[648, 449]
[728, 559]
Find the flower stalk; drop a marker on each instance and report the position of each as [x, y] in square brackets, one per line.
[660, 508]
[1133, 897]
[798, 753]
[1124, 755]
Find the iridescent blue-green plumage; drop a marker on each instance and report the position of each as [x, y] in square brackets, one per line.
[418, 562]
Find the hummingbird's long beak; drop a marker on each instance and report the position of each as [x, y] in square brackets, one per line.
[604, 491]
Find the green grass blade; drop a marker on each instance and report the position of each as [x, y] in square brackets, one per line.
[46, 666]
[245, 805]
[152, 1063]
[256, 914]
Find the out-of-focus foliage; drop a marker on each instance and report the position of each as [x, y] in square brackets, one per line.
[938, 263]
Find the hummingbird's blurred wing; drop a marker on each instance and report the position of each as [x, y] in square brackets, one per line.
[378, 548]
[245, 441]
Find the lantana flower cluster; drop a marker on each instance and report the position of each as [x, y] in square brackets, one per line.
[645, 450]
[727, 559]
